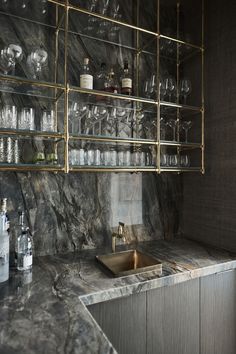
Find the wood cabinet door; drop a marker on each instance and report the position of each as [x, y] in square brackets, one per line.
[124, 322]
[218, 313]
[173, 319]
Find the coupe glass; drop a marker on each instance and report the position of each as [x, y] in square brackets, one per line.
[170, 86]
[185, 89]
[186, 125]
[36, 61]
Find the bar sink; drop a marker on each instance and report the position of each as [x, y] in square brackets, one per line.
[129, 262]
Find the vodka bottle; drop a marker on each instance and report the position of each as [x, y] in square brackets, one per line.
[24, 246]
[4, 241]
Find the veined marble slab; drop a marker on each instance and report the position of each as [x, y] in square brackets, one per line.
[47, 313]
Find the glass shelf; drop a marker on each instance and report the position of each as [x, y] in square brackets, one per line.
[30, 134]
[133, 169]
[113, 139]
[30, 167]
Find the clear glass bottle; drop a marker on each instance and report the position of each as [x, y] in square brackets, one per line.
[4, 242]
[111, 84]
[126, 80]
[86, 78]
[24, 246]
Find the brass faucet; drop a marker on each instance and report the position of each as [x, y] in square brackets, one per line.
[120, 234]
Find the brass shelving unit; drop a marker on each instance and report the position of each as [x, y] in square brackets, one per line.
[65, 89]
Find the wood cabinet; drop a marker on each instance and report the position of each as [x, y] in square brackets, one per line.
[194, 317]
[124, 322]
[173, 319]
[218, 313]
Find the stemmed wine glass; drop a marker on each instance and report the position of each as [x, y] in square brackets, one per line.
[185, 89]
[170, 86]
[36, 60]
[172, 123]
[162, 89]
[186, 125]
[8, 58]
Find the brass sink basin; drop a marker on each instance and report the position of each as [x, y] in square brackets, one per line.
[129, 262]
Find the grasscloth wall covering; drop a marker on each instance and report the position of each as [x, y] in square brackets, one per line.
[210, 200]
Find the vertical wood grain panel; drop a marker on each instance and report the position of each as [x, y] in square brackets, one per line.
[218, 313]
[124, 322]
[173, 319]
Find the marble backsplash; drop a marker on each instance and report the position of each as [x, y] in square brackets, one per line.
[79, 211]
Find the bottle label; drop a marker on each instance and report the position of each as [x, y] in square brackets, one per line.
[126, 83]
[27, 261]
[86, 81]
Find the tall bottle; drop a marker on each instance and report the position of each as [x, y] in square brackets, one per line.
[24, 246]
[4, 241]
[100, 78]
[126, 80]
[111, 84]
[86, 78]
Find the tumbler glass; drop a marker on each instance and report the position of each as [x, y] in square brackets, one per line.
[26, 119]
[9, 117]
[48, 121]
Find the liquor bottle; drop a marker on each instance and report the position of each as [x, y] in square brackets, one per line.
[111, 84]
[126, 80]
[4, 242]
[86, 78]
[24, 246]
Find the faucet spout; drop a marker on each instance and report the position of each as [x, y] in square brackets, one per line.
[120, 234]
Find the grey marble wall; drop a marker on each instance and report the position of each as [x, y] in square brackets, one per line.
[210, 200]
[75, 211]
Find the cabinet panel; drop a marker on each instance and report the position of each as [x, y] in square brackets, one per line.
[218, 313]
[124, 322]
[173, 319]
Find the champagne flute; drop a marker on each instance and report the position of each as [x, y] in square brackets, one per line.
[185, 89]
[186, 125]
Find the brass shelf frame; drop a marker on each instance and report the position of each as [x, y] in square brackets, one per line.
[66, 88]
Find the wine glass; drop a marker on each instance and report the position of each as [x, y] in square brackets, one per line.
[162, 89]
[36, 61]
[185, 89]
[186, 125]
[103, 6]
[8, 58]
[170, 86]
[172, 123]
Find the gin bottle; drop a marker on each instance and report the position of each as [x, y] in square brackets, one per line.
[4, 242]
[24, 246]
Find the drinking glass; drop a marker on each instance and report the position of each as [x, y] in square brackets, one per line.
[164, 160]
[185, 88]
[136, 158]
[173, 160]
[8, 117]
[26, 119]
[186, 125]
[2, 150]
[127, 157]
[97, 157]
[36, 61]
[184, 161]
[9, 56]
[170, 86]
[48, 121]
[9, 150]
[172, 123]
[103, 6]
[90, 157]
[113, 33]
[74, 157]
[162, 89]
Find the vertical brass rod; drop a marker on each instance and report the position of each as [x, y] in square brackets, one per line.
[158, 130]
[137, 65]
[178, 77]
[203, 92]
[56, 70]
[66, 106]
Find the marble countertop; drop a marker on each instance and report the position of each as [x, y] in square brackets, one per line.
[45, 311]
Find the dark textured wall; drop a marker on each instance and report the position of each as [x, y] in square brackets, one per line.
[80, 210]
[210, 200]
